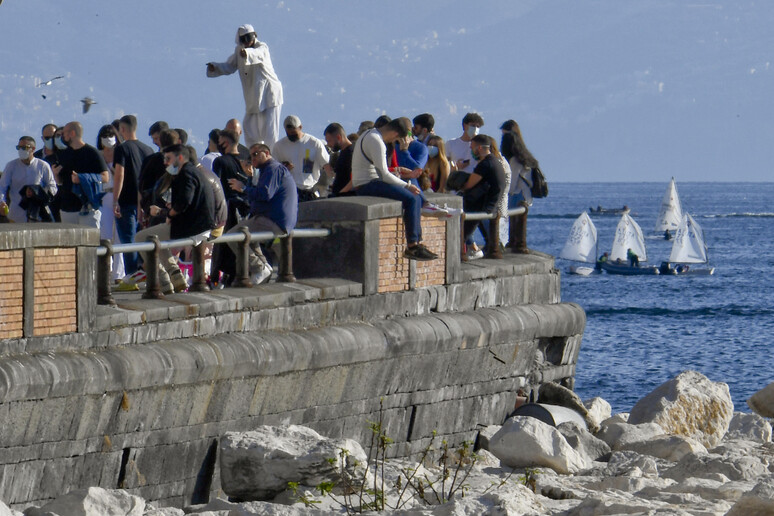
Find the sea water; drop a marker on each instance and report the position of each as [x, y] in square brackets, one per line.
[644, 330]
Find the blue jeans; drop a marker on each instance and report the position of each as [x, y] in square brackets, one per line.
[126, 227]
[412, 205]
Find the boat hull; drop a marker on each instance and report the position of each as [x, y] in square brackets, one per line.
[624, 269]
[580, 270]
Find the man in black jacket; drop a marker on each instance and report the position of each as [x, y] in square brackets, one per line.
[191, 214]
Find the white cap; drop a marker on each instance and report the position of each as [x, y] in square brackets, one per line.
[245, 29]
[292, 121]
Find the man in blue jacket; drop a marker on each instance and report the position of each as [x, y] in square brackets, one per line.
[273, 205]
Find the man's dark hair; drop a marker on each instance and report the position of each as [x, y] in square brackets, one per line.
[399, 126]
[482, 139]
[178, 149]
[214, 135]
[382, 121]
[130, 121]
[230, 135]
[42, 129]
[335, 129]
[426, 120]
[183, 135]
[473, 118]
[158, 127]
[168, 137]
[28, 139]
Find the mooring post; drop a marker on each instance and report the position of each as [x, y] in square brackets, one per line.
[152, 285]
[243, 261]
[104, 297]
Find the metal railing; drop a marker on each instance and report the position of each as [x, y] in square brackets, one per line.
[515, 231]
[154, 245]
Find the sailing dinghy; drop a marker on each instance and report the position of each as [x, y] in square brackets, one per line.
[628, 235]
[581, 245]
[671, 212]
[689, 248]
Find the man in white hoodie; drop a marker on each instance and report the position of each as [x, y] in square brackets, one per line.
[261, 87]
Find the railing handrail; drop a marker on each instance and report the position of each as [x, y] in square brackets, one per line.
[496, 215]
[261, 236]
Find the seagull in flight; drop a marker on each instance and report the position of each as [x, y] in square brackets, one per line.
[87, 102]
[48, 82]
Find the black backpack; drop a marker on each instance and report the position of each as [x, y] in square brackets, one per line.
[539, 186]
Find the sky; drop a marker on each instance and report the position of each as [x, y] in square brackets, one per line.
[603, 90]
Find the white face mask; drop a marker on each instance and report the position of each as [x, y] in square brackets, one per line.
[172, 170]
[24, 154]
[108, 142]
[472, 131]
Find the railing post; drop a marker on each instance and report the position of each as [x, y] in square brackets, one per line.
[494, 250]
[199, 278]
[286, 260]
[464, 254]
[104, 297]
[152, 286]
[243, 261]
[517, 232]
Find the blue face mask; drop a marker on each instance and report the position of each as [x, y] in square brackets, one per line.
[432, 151]
[172, 170]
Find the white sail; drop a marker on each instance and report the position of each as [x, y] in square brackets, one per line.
[689, 246]
[581, 245]
[670, 213]
[628, 235]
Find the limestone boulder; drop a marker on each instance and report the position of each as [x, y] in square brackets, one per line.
[689, 404]
[618, 434]
[163, 511]
[528, 442]
[485, 434]
[272, 509]
[258, 465]
[94, 501]
[715, 466]
[667, 447]
[631, 464]
[619, 502]
[762, 402]
[758, 502]
[712, 489]
[598, 411]
[750, 427]
[583, 441]
[6, 511]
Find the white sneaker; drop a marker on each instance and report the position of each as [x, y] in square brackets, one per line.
[433, 210]
[474, 254]
[263, 275]
[453, 212]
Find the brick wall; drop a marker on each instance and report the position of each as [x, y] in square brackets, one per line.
[393, 267]
[434, 237]
[55, 309]
[11, 294]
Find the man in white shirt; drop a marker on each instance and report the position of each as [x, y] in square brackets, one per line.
[23, 173]
[261, 87]
[370, 176]
[303, 155]
[458, 149]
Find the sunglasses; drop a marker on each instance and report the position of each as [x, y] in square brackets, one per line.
[24, 147]
[256, 153]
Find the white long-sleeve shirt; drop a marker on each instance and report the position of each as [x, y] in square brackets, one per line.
[17, 175]
[370, 144]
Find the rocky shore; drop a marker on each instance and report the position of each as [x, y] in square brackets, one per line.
[681, 450]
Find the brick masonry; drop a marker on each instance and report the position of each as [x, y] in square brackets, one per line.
[394, 269]
[433, 272]
[55, 310]
[11, 293]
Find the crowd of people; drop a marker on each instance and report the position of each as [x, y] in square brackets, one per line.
[133, 193]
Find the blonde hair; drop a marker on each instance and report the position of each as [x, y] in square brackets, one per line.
[438, 167]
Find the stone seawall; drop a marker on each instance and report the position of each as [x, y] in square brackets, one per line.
[140, 401]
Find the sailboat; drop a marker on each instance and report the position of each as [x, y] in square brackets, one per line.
[581, 245]
[689, 248]
[628, 235]
[670, 213]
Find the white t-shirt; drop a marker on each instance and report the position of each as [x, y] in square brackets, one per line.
[458, 149]
[307, 155]
[208, 159]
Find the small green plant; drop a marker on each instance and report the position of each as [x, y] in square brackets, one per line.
[529, 478]
[301, 497]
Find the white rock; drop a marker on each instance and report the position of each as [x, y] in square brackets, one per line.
[164, 511]
[758, 502]
[750, 427]
[485, 434]
[711, 464]
[598, 411]
[6, 511]
[689, 404]
[96, 501]
[712, 489]
[762, 402]
[582, 441]
[617, 434]
[618, 502]
[526, 441]
[621, 417]
[259, 464]
[631, 464]
[273, 509]
[667, 447]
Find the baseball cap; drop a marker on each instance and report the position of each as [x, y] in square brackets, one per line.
[292, 121]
